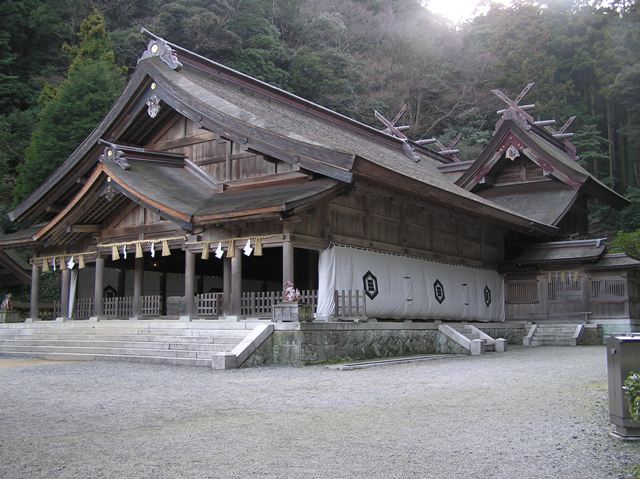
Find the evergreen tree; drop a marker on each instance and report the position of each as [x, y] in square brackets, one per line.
[70, 113]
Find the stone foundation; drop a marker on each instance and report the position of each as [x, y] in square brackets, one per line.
[298, 344]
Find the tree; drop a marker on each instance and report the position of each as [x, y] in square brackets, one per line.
[78, 104]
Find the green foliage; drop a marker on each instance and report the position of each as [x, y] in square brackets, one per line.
[628, 243]
[80, 102]
[632, 391]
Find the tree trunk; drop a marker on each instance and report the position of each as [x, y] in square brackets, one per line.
[612, 138]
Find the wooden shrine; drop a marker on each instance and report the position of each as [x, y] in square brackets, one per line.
[204, 190]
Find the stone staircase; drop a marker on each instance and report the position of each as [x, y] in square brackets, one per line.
[471, 333]
[183, 343]
[471, 339]
[554, 334]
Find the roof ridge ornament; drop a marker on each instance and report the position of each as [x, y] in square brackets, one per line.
[158, 47]
[515, 111]
[393, 130]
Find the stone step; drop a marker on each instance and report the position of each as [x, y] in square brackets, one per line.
[128, 331]
[549, 328]
[551, 336]
[206, 362]
[213, 339]
[170, 353]
[213, 347]
[558, 342]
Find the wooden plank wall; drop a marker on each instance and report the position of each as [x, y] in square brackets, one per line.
[517, 171]
[222, 159]
[370, 216]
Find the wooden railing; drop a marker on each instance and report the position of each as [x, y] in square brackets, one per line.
[118, 307]
[522, 291]
[350, 304]
[609, 288]
[259, 303]
[209, 304]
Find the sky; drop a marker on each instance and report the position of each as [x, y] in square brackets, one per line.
[457, 11]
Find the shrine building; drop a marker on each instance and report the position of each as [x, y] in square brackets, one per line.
[203, 191]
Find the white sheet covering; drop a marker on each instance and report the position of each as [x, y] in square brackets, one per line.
[405, 286]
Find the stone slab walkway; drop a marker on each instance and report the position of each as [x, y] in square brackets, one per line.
[528, 413]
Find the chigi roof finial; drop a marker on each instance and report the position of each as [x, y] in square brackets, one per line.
[158, 47]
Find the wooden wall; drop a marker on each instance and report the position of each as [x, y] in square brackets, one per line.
[603, 294]
[222, 159]
[519, 170]
[370, 216]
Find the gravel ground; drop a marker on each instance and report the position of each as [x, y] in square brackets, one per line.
[529, 413]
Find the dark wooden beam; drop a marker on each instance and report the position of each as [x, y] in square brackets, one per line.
[84, 228]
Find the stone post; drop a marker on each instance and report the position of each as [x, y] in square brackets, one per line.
[98, 290]
[189, 285]
[34, 300]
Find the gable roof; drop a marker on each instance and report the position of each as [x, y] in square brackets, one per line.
[543, 150]
[265, 119]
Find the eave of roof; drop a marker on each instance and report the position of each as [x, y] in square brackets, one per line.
[562, 252]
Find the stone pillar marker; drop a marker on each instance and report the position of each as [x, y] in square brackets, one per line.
[236, 283]
[64, 295]
[138, 276]
[98, 290]
[226, 287]
[34, 300]
[189, 285]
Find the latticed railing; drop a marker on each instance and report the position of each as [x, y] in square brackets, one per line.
[259, 303]
[350, 304]
[209, 304]
[564, 285]
[608, 289]
[522, 291]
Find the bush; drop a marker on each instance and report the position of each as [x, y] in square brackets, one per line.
[632, 388]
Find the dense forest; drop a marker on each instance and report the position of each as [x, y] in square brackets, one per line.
[63, 62]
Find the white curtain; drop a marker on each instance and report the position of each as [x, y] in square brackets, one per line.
[408, 288]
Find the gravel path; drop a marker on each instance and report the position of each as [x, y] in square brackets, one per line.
[529, 413]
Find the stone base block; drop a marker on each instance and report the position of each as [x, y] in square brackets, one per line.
[225, 360]
[61, 319]
[185, 318]
[500, 346]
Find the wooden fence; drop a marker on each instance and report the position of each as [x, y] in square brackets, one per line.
[522, 291]
[350, 304]
[209, 304]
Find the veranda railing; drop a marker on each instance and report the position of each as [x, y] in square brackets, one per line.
[350, 304]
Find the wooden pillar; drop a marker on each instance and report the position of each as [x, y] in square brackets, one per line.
[189, 284]
[138, 277]
[64, 294]
[226, 286]
[35, 292]
[236, 283]
[287, 263]
[121, 281]
[287, 255]
[163, 293]
[98, 289]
